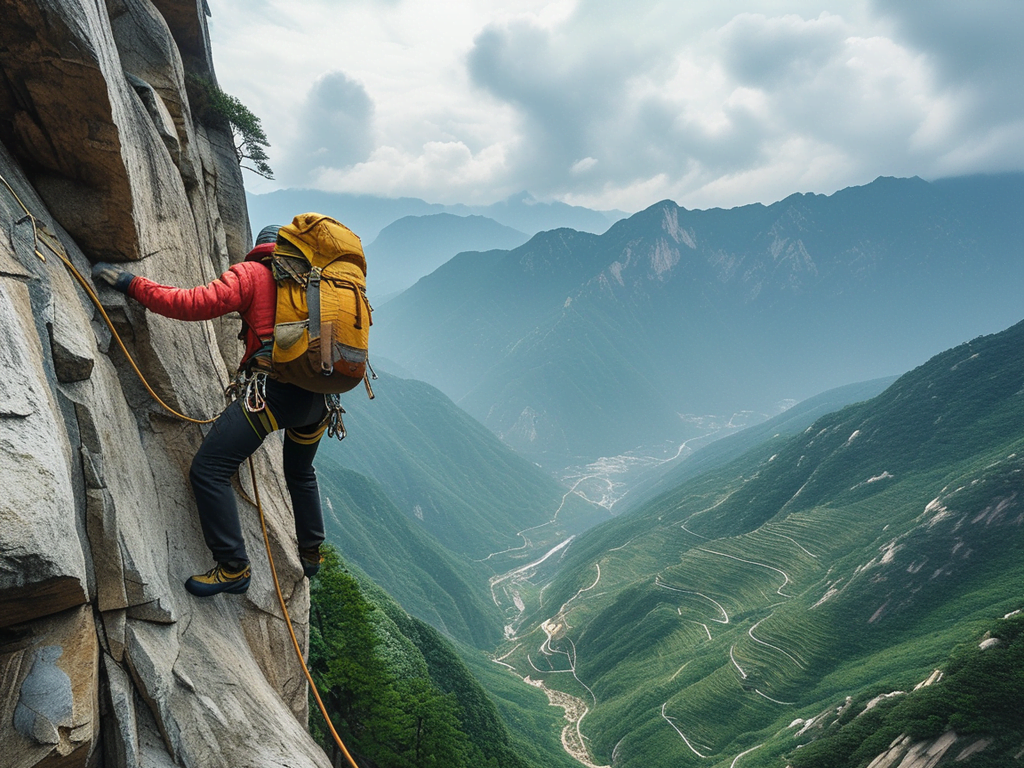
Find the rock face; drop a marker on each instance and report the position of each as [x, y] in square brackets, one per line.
[104, 658]
[947, 749]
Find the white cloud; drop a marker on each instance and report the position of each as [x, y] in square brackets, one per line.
[446, 172]
[335, 128]
[582, 166]
[610, 104]
[771, 53]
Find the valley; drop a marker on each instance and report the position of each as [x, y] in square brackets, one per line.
[610, 479]
[791, 571]
[575, 346]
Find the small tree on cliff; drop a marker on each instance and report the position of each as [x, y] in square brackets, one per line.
[213, 106]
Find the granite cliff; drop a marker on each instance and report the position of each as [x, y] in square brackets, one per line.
[104, 659]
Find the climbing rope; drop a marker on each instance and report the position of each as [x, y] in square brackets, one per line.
[57, 248]
[288, 621]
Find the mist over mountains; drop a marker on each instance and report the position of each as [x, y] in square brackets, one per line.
[414, 246]
[367, 215]
[576, 345]
[840, 586]
[826, 558]
[771, 578]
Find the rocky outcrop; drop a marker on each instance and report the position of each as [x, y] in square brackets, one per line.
[104, 659]
[904, 752]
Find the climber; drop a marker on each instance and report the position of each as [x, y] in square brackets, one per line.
[248, 288]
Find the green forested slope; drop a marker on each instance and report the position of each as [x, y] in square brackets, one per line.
[846, 561]
[980, 698]
[722, 451]
[449, 474]
[368, 529]
[395, 689]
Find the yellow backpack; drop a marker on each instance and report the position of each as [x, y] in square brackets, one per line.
[322, 321]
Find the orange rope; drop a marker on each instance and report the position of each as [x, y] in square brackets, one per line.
[252, 470]
[95, 300]
[288, 621]
[58, 249]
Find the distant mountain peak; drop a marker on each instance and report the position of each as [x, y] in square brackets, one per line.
[684, 236]
[677, 311]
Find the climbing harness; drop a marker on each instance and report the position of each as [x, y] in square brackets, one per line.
[40, 232]
[251, 388]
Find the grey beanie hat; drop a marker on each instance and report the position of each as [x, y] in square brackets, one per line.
[268, 235]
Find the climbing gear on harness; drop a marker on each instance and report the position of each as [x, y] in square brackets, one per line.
[366, 381]
[310, 558]
[335, 424]
[323, 318]
[256, 392]
[112, 275]
[223, 577]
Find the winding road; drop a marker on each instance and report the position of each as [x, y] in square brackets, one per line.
[659, 583]
[752, 562]
[681, 734]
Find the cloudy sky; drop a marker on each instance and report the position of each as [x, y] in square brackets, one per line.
[616, 104]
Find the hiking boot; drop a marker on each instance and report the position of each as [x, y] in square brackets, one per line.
[223, 577]
[310, 558]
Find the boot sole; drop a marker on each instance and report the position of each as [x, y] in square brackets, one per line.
[203, 590]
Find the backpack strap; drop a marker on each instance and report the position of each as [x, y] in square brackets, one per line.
[327, 348]
[313, 302]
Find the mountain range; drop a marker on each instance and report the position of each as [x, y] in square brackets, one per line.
[578, 345]
[763, 594]
[414, 246]
[367, 215]
[840, 586]
[831, 557]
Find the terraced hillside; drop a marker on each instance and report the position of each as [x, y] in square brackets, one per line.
[713, 625]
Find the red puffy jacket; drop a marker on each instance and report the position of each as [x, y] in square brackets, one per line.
[247, 288]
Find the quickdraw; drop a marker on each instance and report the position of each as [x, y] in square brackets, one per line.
[335, 424]
[256, 392]
[250, 388]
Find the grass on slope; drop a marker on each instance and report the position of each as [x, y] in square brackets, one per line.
[981, 695]
[847, 560]
[441, 588]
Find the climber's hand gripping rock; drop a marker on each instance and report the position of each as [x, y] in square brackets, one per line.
[112, 275]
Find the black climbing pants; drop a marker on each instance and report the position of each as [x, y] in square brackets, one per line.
[234, 436]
